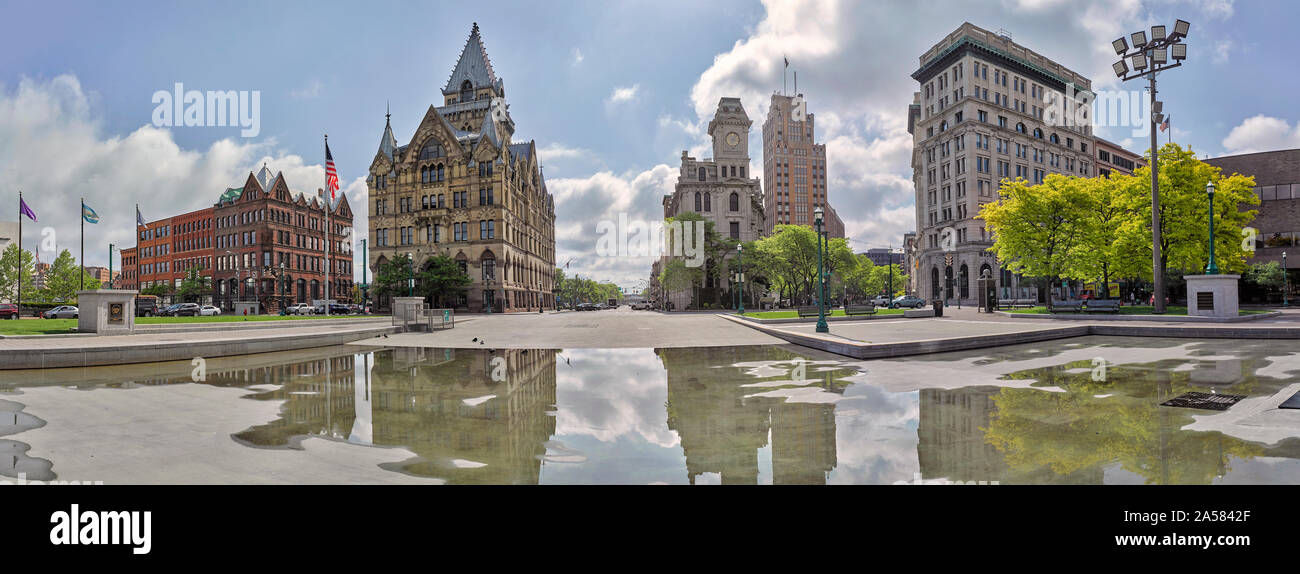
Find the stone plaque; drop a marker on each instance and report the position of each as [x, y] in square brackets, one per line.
[116, 313]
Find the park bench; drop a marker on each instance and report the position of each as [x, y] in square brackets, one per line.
[1072, 306]
[1102, 306]
[1016, 303]
[807, 311]
[868, 309]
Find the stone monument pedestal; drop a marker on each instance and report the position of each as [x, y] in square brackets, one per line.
[106, 311]
[1212, 295]
[407, 309]
[251, 306]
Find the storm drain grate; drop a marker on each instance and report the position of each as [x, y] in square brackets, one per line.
[1206, 401]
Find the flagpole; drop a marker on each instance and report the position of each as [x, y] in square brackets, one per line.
[327, 231]
[83, 244]
[20, 253]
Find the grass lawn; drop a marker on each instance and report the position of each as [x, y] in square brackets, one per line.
[792, 313]
[53, 326]
[1138, 310]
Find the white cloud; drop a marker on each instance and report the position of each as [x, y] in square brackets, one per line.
[1262, 133]
[558, 151]
[1222, 51]
[624, 94]
[581, 203]
[52, 148]
[577, 56]
[311, 90]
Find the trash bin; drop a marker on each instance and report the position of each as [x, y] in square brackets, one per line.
[938, 307]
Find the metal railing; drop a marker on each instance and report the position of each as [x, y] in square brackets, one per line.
[408, 315]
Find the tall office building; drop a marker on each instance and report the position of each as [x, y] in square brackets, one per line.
[794, 167]
[988, 109]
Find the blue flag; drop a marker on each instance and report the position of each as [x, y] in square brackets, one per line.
[89, 214]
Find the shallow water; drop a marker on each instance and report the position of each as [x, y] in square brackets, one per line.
[1040, 413]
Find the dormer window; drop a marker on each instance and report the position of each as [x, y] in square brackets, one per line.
[466, 91]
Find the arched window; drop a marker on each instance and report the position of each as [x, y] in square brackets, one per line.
[466, 91]
[432, 149]
[699, 202]
[735, 201]
[424, 202]
[1054, 139]
[943, 126]
[1020, 127]
[440, 172]
[963, 282]
[708, 202]
[702, 174]
[424, 175]
[1038, 133]
[934, 282]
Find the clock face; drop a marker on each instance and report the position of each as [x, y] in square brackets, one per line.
[733, 140]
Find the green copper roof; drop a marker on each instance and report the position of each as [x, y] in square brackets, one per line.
[231, 194]
[964, 40]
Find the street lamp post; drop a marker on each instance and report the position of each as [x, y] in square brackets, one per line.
[740, 263]
[1213, 267]
[110, 265]
[1285, 282]
[1149, 58]
[410, 275]
[822, 327]
[283, 279]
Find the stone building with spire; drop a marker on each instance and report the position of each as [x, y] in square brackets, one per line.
[464, 188]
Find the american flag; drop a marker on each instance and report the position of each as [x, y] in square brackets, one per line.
[331, 175]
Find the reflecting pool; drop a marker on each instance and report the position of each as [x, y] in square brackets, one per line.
[1078, 411]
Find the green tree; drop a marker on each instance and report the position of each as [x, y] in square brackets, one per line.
[1266, 275]
[441, 280]
[788, 258]
[1106, 213]
[64, 278]
[391, 277]
[194, 287]
[9, 272]
[1041, 230]
[159, 290]
[1184, 216]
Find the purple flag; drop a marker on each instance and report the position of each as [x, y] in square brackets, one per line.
[24, 210]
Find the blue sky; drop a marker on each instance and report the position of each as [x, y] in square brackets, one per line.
[611, 91]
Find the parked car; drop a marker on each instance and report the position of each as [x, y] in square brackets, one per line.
[8, 311]
[169, 311]
[209, 310]
[641, 306]
[587, 307]
[187, 310]
[335, 309]
[61, 312]
[300, 309]
[880, 301]
[146, 305]
[912, 301]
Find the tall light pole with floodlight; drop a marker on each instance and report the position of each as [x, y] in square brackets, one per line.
[1150, 57]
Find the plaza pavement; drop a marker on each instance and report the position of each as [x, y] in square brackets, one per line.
[613, 328]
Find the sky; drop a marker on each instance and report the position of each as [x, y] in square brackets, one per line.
[612, 93]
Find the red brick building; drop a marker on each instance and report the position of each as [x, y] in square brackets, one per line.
[130, 273]
[268, 240]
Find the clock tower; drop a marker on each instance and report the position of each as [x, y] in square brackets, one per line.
[730, 132]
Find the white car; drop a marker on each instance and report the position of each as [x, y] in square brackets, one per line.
[300, 309]
[209, 310]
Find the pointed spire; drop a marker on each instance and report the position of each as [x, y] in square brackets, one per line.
[388, 143]
[473, 66]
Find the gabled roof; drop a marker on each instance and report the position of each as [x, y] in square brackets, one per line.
[473, 65]
[524, 150]
[488, 131]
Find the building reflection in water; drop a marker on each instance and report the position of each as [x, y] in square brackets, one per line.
[722, 424]
[1088, 432]
[469, 416]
